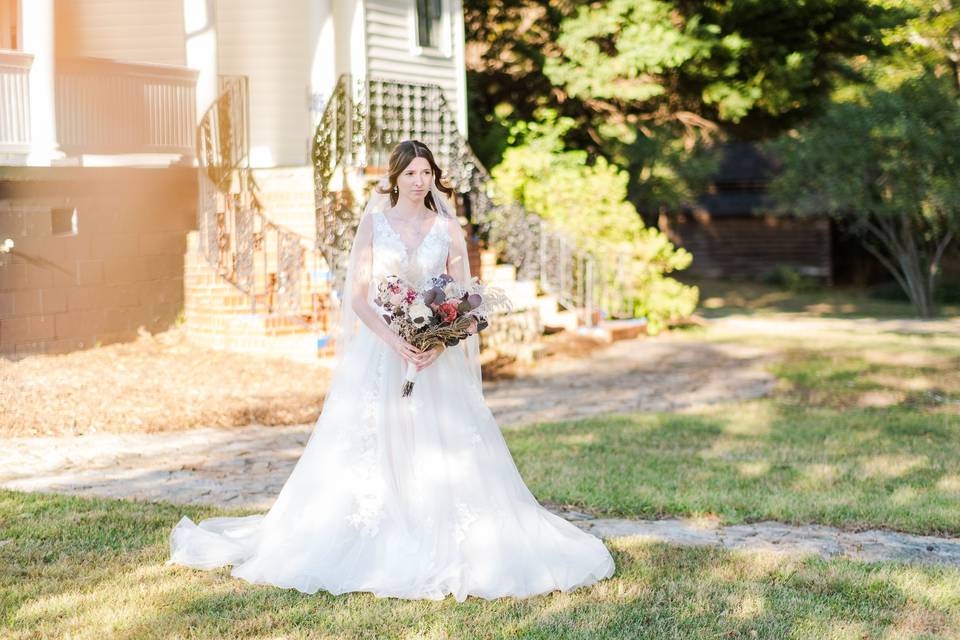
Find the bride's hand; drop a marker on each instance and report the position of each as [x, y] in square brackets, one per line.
[406, 350]
[429, 357]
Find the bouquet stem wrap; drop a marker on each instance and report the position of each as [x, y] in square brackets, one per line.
[409, 379]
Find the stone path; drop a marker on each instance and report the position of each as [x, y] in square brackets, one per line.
[246, 467]
[827, 542]
[666, 373]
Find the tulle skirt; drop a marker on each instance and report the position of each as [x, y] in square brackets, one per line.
[413, 497]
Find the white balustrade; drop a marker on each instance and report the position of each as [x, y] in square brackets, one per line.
[15, 101]
[108, 107]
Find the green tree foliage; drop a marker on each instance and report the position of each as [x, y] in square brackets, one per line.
[637, 75]
[930, 40]
[887, 161]
[589, 203]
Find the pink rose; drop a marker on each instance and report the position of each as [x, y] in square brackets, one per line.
[448, 311]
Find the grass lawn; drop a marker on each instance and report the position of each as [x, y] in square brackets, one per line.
[724, 297]
[90, 568]
[863, 430]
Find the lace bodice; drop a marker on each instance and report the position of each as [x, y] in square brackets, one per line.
[391, 256]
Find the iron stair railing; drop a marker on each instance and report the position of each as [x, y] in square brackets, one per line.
[263, 260]
[364, 121]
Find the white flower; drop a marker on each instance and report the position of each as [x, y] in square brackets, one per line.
[397, 298]
[452, 290]
[420, 312]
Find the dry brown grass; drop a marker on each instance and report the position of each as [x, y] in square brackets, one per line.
[159, 382]
[163, 382]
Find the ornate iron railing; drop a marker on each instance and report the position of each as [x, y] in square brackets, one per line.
[359, 128]
[338, 137]
[262, 259]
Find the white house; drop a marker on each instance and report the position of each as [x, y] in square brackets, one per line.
[109, 220]
[105, 82]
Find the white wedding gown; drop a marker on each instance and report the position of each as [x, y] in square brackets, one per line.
[413, 497]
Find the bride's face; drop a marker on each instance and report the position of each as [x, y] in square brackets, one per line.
[414, 181]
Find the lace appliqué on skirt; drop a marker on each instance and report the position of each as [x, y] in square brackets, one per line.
[368, 486]
[465, 518]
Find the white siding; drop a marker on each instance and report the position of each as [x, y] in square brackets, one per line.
[270, 43]
[124, 30]
[390, 48]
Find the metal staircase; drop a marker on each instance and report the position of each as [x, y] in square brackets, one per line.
[247, 279]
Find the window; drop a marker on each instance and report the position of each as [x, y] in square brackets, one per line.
[8, 24]
[429, 23]
[63, 221]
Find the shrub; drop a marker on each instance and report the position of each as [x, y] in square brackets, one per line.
[588, 201]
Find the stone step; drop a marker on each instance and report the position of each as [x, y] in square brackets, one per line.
[612, 330]
[548, 305]
[566, 319]
[287, 197]
[522, 295]
[526, 353]
[304, 347]
[499, 273]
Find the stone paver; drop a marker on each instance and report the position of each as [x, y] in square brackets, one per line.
[666, 373]
[827, 542]
[246, 467]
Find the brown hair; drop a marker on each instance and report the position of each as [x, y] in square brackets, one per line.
[402, 155]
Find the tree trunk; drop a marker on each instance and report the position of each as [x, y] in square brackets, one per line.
[897, 251]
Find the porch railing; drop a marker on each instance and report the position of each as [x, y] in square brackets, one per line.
[15, 98]
[593, 284]
[109, 107]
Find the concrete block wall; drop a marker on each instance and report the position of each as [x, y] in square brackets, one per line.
[121, 270]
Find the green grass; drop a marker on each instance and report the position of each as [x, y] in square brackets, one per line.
[725, 297]
[92, 568]
[863, 430]
[754, 461]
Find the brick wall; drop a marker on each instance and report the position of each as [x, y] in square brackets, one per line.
[751, 247]
[121, 270]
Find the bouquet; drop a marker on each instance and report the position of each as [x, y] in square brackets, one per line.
[441, 312]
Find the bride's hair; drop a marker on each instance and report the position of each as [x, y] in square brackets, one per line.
[402, 155]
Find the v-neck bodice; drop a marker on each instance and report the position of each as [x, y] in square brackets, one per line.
[391, 256]
[391, 229]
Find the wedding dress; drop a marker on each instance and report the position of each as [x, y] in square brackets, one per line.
[413, 497]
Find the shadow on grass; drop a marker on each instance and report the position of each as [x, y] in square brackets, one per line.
[894, 468]
[95, 568]
[720, 298]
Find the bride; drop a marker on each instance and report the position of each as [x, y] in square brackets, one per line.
[414, 497]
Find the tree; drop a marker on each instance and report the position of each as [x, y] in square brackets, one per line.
[932, 36]
[647, 81]
[887, 161]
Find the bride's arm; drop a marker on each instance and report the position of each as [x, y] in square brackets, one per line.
[363, 268]
[458, 265]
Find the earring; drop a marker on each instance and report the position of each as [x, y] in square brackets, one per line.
[396, 190]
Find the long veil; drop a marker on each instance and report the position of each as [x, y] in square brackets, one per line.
[348, 321]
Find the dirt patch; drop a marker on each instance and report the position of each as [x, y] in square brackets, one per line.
[164, 382]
